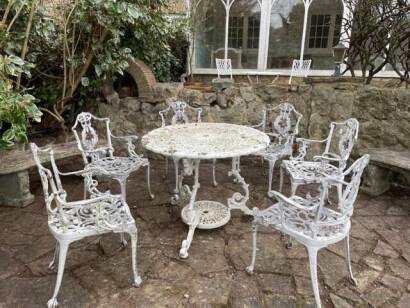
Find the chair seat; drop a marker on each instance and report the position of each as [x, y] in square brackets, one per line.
[301, 223]
[99, 217]
[117, 166]
[274, 151]
[311, 172]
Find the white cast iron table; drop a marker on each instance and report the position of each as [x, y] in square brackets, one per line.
[194, 142]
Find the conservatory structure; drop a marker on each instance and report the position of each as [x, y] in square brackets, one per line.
[266, 35]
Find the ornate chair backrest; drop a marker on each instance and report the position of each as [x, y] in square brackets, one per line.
[50, 179]
[86, 131]
[300, 68]
[284, 124]
[179, 112]
[351, 189]
[341, 139]
[345, 209]
[224, 67]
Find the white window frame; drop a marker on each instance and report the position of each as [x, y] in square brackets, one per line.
[264, 28]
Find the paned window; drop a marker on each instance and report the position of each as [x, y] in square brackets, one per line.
[319, 31]
[235, 33]
[253, 32]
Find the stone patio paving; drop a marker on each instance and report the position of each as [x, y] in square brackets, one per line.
[98, 270]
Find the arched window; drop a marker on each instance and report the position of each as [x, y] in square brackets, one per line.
[209, 32]
[243, 33]
[285, 33]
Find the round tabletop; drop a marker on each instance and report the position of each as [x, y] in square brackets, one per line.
[205, 140]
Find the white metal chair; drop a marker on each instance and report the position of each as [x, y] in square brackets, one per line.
[282, 125]
[300, 68]
[180, 112]
[235, 54]
[311, 223]
[330, 163]
[224, 67]
[98, 153]
[75, 220]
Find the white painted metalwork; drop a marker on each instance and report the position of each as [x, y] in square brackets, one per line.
[72, 221]
[307, 4]
[180, 114]
[265, 23]
[300, 68]
[282, 126]
[98, 153]
[227, 5]
[224, 67]
[310, 222]
[198, 141]
[178, 110]
[236, 53]
[338, 146]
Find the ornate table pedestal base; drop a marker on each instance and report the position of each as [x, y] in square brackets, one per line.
[206, 214]
[193, 142]
[212, 214]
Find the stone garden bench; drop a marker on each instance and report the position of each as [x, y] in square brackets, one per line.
[14, 176]
[384, 163]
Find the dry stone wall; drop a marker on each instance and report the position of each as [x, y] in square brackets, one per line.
[383, 112]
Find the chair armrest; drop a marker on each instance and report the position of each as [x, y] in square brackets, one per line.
[130, 143]
[289, 202]
[91, 201]
[82, 172]
[304, 145]
[258, 126]
[327, 158]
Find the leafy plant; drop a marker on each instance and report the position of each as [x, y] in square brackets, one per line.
[76, 44]
[15, 108]
[15, 111]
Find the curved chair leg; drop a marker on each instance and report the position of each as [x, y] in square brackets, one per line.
[348, 260]
[176, 170]
[289, 243]
[271, 165]
[85, 189]
[251, 267]
[134, 239]
[52, 264]
[123, 186]
[293, 187]
[281, 178]
[312, 251]
[148, 179]
[215, 183]
[124, 242]
[166, 168]
[263, 165]
[339, 195]
[63, 248]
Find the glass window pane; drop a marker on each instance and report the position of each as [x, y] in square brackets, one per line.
[244, 54]
[209, 37]
[325, 18]
[285, 34]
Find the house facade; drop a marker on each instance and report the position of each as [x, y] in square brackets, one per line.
[266, 35]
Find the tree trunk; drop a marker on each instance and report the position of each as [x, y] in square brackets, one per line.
[27, 35]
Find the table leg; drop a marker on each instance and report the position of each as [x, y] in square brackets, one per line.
[193, 215]
[238, 200]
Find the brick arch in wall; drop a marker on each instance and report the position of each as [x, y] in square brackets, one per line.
[143, 77]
